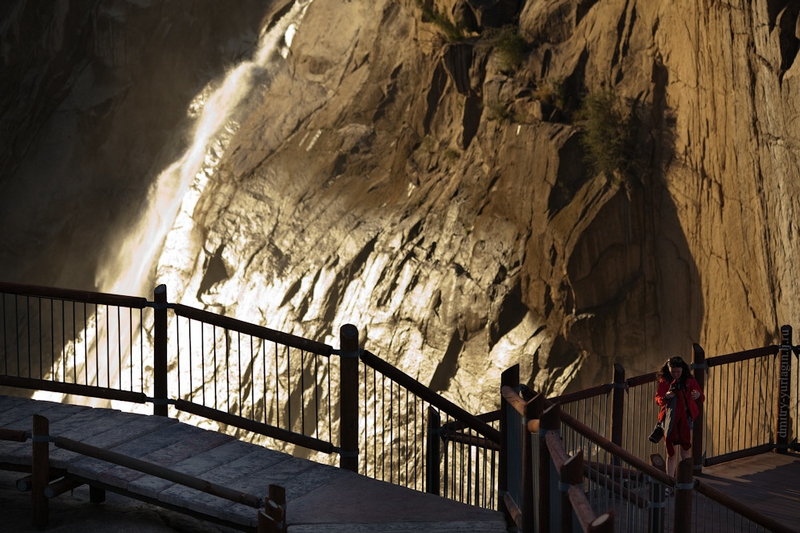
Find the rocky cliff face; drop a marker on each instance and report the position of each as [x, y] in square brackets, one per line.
[404, 170]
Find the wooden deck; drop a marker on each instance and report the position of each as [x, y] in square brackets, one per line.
[768, 482]
[319, 498]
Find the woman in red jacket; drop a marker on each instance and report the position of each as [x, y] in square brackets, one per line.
[678, 393]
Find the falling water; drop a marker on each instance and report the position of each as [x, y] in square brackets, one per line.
[166, 225]
[167, 222]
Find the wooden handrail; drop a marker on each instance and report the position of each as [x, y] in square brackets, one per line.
[737, 506]
[285, 435]
[99, 298]
[77, 389]
[157, 470]
[741, 356]
[401, 378]
[615, 449]
[252, 329]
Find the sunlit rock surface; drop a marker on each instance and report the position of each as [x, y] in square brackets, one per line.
[371, 180]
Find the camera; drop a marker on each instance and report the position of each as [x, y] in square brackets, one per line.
[657, 434]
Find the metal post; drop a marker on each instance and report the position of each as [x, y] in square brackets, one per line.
[508, 378]
[784, 390]
[433, 451]
[160, 407]
[618, 408]
[40, 471]
[699, 365]
[348, 396]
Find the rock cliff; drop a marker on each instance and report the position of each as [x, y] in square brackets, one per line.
[419, 169]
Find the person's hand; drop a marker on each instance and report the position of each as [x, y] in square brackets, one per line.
[669, 395]
[695, 394]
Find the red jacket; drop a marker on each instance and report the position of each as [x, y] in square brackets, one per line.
[691, 385]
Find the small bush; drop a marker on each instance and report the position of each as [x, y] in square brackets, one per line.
[499, 111]
[607, 132]
[452, 32]
[509, 46]
[552, 93]
[451, 155]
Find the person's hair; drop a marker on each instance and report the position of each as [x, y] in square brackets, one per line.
[673, 362]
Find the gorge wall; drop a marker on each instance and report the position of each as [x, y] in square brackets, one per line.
[421, 186]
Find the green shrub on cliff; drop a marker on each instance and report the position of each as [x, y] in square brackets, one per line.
[509, 46]
[607, 132]
[452, 32]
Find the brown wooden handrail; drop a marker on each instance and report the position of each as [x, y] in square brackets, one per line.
[737, 506]
[157, 470]
[742, 356]
[615, 449]
[401, 378]
[252, 329]
[99, 298]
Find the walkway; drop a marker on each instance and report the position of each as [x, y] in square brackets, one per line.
[768, 482]
[320, 498]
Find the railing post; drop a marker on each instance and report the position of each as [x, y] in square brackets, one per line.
[618, 407]
[699, 366]
[549, 420]
[160, 407]
[571, 474]
[40, 471]
[784, 390]
[657, 504]
[508, 378]
[348, 397]
[433, 451]
[683, 496]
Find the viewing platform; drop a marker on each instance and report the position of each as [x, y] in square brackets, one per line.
[319, 498]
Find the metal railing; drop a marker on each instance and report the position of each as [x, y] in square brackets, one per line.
[380, 421]
[623, 492]
[740, 416]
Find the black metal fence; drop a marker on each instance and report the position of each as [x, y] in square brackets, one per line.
[380, 421]
[297, 392]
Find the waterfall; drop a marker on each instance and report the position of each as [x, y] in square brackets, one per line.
[166, 226]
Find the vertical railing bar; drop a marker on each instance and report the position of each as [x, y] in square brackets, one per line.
[330, 403]
[41, 359]
[203, 362]
[52, 340]
[253, 360]
[317, 393]
[215, 366]
[178, 357]
[130, 344]
[239, 369]
[406, 423]
[190, 351]
[264, 372]
[63, 339]
[289, 390]
[96, 345]
[277, 388]
[108, 347]
[227, 337]
[5, 336]
[303, 391]
[119, 348]
[141, 351]
[421, 448]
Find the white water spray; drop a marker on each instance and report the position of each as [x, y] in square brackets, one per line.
[167, 222]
